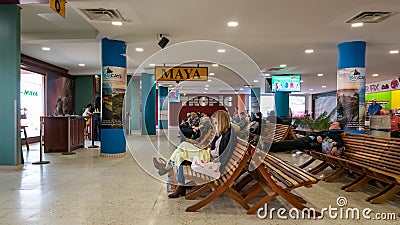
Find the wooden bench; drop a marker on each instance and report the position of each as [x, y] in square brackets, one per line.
[223, 185]
[371, 156]
[274, 177]
[272, 132]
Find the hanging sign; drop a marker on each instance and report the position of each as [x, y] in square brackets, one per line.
[181, 73]
[58, 6]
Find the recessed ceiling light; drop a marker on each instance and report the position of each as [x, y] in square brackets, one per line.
[172, 88]
[209, 80]
[394, 52]
[205, 92]
[206, 89]
[214, 65]
[301, 81]
[139, 49]
[283, 65]
[46, 48]
[81, 64]
[255, 81]
[311, 89]
[323, 86]
[267, 74]
[320, 74]
[233, 24]
[375, 75]
[211, 74]
[357, 24]
[309, 51]
[236, 92]
[116, 23]
[221, 50]
[207, 85]
[170, 85]
[152, 64]
[241, 89]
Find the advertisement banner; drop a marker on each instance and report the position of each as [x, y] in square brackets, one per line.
[351, 96]
[114, 86]
[387, 85]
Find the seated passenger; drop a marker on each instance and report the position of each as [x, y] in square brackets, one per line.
[315, 141]
[221, 148]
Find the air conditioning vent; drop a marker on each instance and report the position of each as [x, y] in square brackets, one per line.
[104, 14]
[370, 17]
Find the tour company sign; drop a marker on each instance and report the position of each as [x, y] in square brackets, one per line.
[388, 85]
[181, 73]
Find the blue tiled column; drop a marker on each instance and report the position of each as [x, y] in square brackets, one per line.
[255, 100]
[162, 107]
[282, 104]
[148, 104]
[114, 84]
[351, 85]
[10, 60]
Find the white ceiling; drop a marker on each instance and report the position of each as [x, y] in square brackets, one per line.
[271, 32]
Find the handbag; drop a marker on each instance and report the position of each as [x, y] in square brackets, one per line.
[208, 168]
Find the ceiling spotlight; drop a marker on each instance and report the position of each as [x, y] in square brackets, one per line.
[152, 64]
[139, 49]
[375, 75]
[221, 50]
[214, 65]
[311, 89]
[46, 48]
[323, 86]
[394, 52]
[205, 92]
[301, 81]
[211, 74]
[207, 85]
[241, 89]
[163, 41]
[309, 51]
[209, 80]
[81, 64]
[255, 81]
[357, 24]
[233, 24]
[320, 74]
[206, 89]
[267, 74]
[170, 85]
[116, 23]
[283, 65]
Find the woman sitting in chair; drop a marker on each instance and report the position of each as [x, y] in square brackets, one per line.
[221, 148]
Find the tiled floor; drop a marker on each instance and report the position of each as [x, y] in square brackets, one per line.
[88, 189]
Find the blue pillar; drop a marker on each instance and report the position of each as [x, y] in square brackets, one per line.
[135, 101]
[351, 85]
[114, 85]
[282, 104]
[162, 107]
[255, 98]
[10, 60]
[148, 104]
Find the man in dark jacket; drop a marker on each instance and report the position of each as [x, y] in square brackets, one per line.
[312, 141]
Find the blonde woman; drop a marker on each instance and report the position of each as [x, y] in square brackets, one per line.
[221, 148]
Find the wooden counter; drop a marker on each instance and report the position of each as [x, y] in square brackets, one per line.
[56, 133]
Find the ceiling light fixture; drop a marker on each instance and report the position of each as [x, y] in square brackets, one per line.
[375, 75]
[267, 74]
[205, 92]
[301, 81]
[241, 89]
[255, 81]
[116, 23]
[139, 49]
[311, 89]
[214, 65]
[221, 50]
[209, 80]
[309, 51]
[394, 52]
[46, 48]
[81, 64]
[207, 85]
[323, 86]
[357, 24]
[211, 74]
[283, 65]
[170, 85]
[152, 64]
[233, 24]
[320, 74]
[206, 89]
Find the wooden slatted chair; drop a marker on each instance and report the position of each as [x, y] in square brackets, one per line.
[276, 177]
[223, 185]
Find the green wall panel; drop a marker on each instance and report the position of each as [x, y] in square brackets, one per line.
[84, 92]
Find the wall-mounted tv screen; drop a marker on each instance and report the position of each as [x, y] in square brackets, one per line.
[286, 83]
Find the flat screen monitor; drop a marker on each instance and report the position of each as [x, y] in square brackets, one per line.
[286, 83]
[174, 96]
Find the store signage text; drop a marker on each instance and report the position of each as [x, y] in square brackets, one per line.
[181, 73]
[206, 101]
[31, 93]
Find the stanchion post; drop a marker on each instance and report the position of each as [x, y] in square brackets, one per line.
[69, 138]
[91, 133]
[40, 144]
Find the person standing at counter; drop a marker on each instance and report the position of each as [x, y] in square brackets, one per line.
[374, 109]
[394, 125]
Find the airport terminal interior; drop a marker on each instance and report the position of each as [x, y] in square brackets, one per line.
[118, 112]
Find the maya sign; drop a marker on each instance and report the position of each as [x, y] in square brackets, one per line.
[181, 73]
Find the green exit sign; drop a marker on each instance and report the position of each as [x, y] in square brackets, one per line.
[30, 93]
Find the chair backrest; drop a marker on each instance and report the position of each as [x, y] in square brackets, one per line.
[373, 151]
[276, 132]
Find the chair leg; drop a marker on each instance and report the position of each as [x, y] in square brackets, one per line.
[260, 203]
[320, 167]
[217, 192]
[237, 197]
[388, 194]
[363, 179]
[335, 175]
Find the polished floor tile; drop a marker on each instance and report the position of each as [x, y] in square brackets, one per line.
[88, 189]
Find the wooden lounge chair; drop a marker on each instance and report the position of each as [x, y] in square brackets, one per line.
[223, 185]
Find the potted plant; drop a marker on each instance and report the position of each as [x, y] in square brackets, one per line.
[320, 123]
